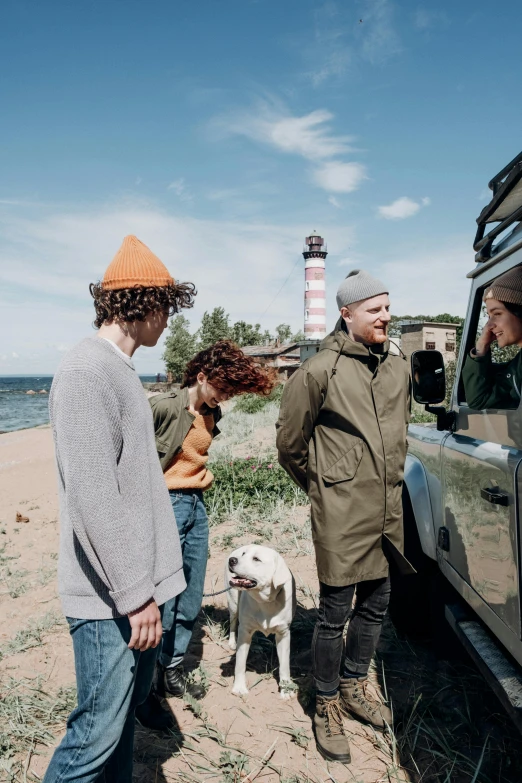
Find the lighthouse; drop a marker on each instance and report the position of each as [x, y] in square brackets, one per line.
[314, 254]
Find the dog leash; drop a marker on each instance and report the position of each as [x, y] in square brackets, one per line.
[219, 592]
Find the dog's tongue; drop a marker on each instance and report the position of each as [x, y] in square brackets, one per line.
[240, 581]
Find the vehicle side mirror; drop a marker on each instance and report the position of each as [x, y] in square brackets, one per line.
[428, 377]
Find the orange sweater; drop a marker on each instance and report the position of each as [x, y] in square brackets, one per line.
[188, 469]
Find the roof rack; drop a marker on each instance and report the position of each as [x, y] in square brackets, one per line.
[505, 208]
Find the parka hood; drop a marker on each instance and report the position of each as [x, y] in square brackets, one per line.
[339, 341]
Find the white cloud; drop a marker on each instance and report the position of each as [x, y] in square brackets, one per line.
[339, 177]
[178, 186]
[347, 35]
[380, 40]
[309, 136]
[335, 202]
[336, 63]
[223, 194]
[239, 264]
[425, 19]
[402, 208]
[180, 189]
[14, 355]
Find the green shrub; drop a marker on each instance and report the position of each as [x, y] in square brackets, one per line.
[419, 415]
[248, 482]
[253, 403]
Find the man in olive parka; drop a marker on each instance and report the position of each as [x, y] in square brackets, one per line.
[341, 436]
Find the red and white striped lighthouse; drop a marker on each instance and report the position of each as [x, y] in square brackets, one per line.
[315, 291]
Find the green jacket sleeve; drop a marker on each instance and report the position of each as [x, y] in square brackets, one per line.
[160, 410]
[489, 385]
[300, 406]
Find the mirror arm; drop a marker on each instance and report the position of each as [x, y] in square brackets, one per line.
[445, 419]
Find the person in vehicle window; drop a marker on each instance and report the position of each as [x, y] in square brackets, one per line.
[185, 422]
[487, 384]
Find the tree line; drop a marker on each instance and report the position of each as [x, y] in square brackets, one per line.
[182, 344]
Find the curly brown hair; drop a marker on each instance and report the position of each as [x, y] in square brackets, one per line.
[135, 304]
[228, 369]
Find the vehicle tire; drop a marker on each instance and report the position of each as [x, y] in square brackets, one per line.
[414, 606]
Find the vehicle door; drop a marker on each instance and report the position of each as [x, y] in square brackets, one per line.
[481, 462]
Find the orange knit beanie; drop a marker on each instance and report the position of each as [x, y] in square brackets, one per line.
[134, 264]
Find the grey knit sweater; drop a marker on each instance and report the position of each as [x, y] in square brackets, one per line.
[119, 544]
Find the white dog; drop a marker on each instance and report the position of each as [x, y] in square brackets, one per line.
[262, 599]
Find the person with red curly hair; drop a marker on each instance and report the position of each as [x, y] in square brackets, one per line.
[185, 422]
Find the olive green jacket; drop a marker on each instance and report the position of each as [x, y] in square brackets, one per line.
[172, 421]
[341, 436]
[490, 385]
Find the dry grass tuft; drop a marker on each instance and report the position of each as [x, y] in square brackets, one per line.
[29, 716]
[32, 635]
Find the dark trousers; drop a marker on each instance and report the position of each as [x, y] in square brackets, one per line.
[364, 629]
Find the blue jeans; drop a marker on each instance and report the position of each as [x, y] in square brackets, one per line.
[180, 613]
[111, 681]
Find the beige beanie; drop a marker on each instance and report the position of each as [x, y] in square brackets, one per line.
[359, 285]
[507, 287]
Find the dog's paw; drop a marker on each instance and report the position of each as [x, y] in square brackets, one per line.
[287, 689]
[240, 690]
[232, 643]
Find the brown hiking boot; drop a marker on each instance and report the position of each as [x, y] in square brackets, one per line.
[332, 743]
[360, 699]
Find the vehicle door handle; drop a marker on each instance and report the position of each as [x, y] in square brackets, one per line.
[495, 495]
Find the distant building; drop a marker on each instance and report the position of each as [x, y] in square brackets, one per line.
[429, 336]
[311, 347]
[395, 345]
[286, 358]
[308, 348]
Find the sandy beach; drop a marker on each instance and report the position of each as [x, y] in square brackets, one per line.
[264, 737]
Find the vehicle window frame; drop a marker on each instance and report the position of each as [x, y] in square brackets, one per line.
[471, 338]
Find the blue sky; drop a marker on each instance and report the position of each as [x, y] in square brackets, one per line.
[221, 133]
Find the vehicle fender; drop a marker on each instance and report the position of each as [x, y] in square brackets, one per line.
[416, 483]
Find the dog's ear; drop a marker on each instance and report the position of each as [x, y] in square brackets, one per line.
[280, 572]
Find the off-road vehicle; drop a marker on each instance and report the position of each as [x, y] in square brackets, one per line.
[463, 485]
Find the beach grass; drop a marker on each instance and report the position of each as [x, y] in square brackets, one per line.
[30, 716]
[448, 728]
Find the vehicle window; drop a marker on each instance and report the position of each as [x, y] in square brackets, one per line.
[498, 385]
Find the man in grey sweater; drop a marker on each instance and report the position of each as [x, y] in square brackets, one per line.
[120, 557]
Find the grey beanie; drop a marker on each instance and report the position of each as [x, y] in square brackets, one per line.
[358, 285]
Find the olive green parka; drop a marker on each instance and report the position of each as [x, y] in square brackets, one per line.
[341, 435]
[491, 385]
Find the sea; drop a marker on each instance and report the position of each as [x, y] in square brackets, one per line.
[19, 410]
